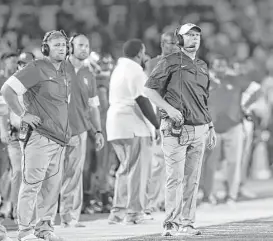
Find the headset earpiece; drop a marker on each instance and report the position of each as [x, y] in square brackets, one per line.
[179, 38]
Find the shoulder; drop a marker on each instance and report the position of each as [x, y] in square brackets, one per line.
[38, 63]
[170, 59]
[202, 63]
[154, 61]
[172, 56]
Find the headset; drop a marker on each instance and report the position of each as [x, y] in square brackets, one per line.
[71, 44]
[179, 37]
[45, 47]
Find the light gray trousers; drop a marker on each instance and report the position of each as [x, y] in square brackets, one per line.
[183, 170]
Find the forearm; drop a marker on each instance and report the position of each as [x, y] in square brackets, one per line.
[155, 97]
[147, 110]
[11, 98]
[95, 118]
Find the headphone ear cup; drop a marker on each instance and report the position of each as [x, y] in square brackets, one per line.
[45, 49]
[180, 40]
[71, 47]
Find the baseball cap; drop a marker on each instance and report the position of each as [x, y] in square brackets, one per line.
[25, 57]
[187, 27]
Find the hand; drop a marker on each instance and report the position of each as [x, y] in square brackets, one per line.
[74, 141]
[157, 137]
[99, 141]
[211, 139]
[175, 115]
[32, 120]
[5, 137]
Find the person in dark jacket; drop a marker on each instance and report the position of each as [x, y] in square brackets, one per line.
[179, 86]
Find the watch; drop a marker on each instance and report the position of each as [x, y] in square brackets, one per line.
[98, 132]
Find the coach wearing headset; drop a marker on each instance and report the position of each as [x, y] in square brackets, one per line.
[83, 115]
[179, 86]
[44, 131]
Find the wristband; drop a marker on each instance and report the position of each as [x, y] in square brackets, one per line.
[210, 127]
[98, 132]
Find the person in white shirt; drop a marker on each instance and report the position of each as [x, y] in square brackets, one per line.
[128, 131]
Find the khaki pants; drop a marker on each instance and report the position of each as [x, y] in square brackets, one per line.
[183, 169]
[72, 182]
[42, 164]
[156, 188]
[129, 191]
[15, 155]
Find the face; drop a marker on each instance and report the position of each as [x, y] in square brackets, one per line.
[57, 49]
[11, 64]
[192, 41]
[168, 45]
[81, 47]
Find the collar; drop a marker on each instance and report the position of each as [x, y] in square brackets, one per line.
[62, 65]
[133, 64]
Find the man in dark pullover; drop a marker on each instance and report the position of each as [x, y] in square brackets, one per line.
[179, 86]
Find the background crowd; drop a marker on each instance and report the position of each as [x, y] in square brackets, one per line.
[242, 31]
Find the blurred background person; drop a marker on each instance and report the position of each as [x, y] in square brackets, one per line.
[156, 186]
[10, 124]
[10, 65]
[225, 105]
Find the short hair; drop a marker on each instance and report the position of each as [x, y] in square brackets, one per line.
[132, 47]
[54, 35]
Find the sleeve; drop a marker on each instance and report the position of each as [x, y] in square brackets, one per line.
[136, 84]
[93, 99]
[24, 79]
[159, 76]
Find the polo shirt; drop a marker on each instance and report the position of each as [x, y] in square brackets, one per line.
[83, 97]
[124, 117]
[46, 93]
[184, 84]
